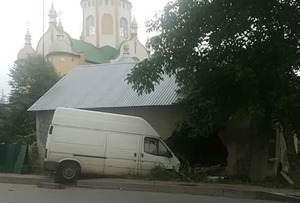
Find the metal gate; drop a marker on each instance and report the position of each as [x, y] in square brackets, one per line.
[13, 157]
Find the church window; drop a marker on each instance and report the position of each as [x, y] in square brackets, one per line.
[100, 2]
[112, 2]
[123, 4]
[124, 28]
[107, 24]
[93, 2]
[89, 3]
[90, 26]
[106, 2]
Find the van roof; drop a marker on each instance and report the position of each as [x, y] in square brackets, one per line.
[102, 121]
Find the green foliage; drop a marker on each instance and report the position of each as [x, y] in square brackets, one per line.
[158, 173]
[3, 98]
[162, 174]
[4, 113]
[34, 165]
[30, 79]
[232, 59]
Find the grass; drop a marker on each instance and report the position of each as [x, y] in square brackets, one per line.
[162, 174]
[159, 173]
[34, 164]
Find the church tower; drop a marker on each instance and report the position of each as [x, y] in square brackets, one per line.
[27, 50]
[106, 22]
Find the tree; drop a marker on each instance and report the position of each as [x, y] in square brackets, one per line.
[3, 98]
[30, 79]
[232, 59]
[4, 111]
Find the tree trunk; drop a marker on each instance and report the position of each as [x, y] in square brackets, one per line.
[291, 151]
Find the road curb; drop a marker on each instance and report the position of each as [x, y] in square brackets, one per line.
[179, 189]
[152, 186]
[278, 197]
[30, 180]
[48, 185]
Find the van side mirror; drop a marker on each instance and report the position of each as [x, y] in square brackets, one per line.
[169, 154]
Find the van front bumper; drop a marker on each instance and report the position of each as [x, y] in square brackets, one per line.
[51, 165]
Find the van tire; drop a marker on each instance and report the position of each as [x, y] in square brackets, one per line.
[68, 172]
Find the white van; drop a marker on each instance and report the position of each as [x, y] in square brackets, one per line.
[81, 141]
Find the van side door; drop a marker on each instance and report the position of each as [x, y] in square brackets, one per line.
[154, 152]
[121, 153]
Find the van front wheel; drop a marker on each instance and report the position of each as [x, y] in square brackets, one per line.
[69, 171]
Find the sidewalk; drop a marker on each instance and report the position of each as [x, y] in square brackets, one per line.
[209, 189]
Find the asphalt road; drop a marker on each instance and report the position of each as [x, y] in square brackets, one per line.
[13, 193]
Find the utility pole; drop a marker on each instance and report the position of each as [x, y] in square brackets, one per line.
[43, 28]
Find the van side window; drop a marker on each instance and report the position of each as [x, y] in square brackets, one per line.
[155, 147]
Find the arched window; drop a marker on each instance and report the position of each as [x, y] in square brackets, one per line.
[90, 26]
[107, 24]
[124, 28]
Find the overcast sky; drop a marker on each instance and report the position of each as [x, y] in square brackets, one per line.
[15, 15]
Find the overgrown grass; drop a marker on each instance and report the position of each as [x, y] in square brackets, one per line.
[34, 164]
[159, 173]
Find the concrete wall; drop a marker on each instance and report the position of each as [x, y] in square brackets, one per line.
[43, 121]
[250, 153]
[163, 120]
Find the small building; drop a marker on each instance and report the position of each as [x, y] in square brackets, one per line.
[103, 88]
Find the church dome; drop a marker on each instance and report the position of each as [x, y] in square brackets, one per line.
[60, 45]
[27, 49]
[25, 52]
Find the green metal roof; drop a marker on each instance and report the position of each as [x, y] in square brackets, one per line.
[94, 54]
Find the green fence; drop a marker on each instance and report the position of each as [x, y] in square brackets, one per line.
[13, 158]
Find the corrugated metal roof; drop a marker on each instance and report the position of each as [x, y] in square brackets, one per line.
[103, 86]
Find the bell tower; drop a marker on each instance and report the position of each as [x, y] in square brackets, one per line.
[106, 22]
